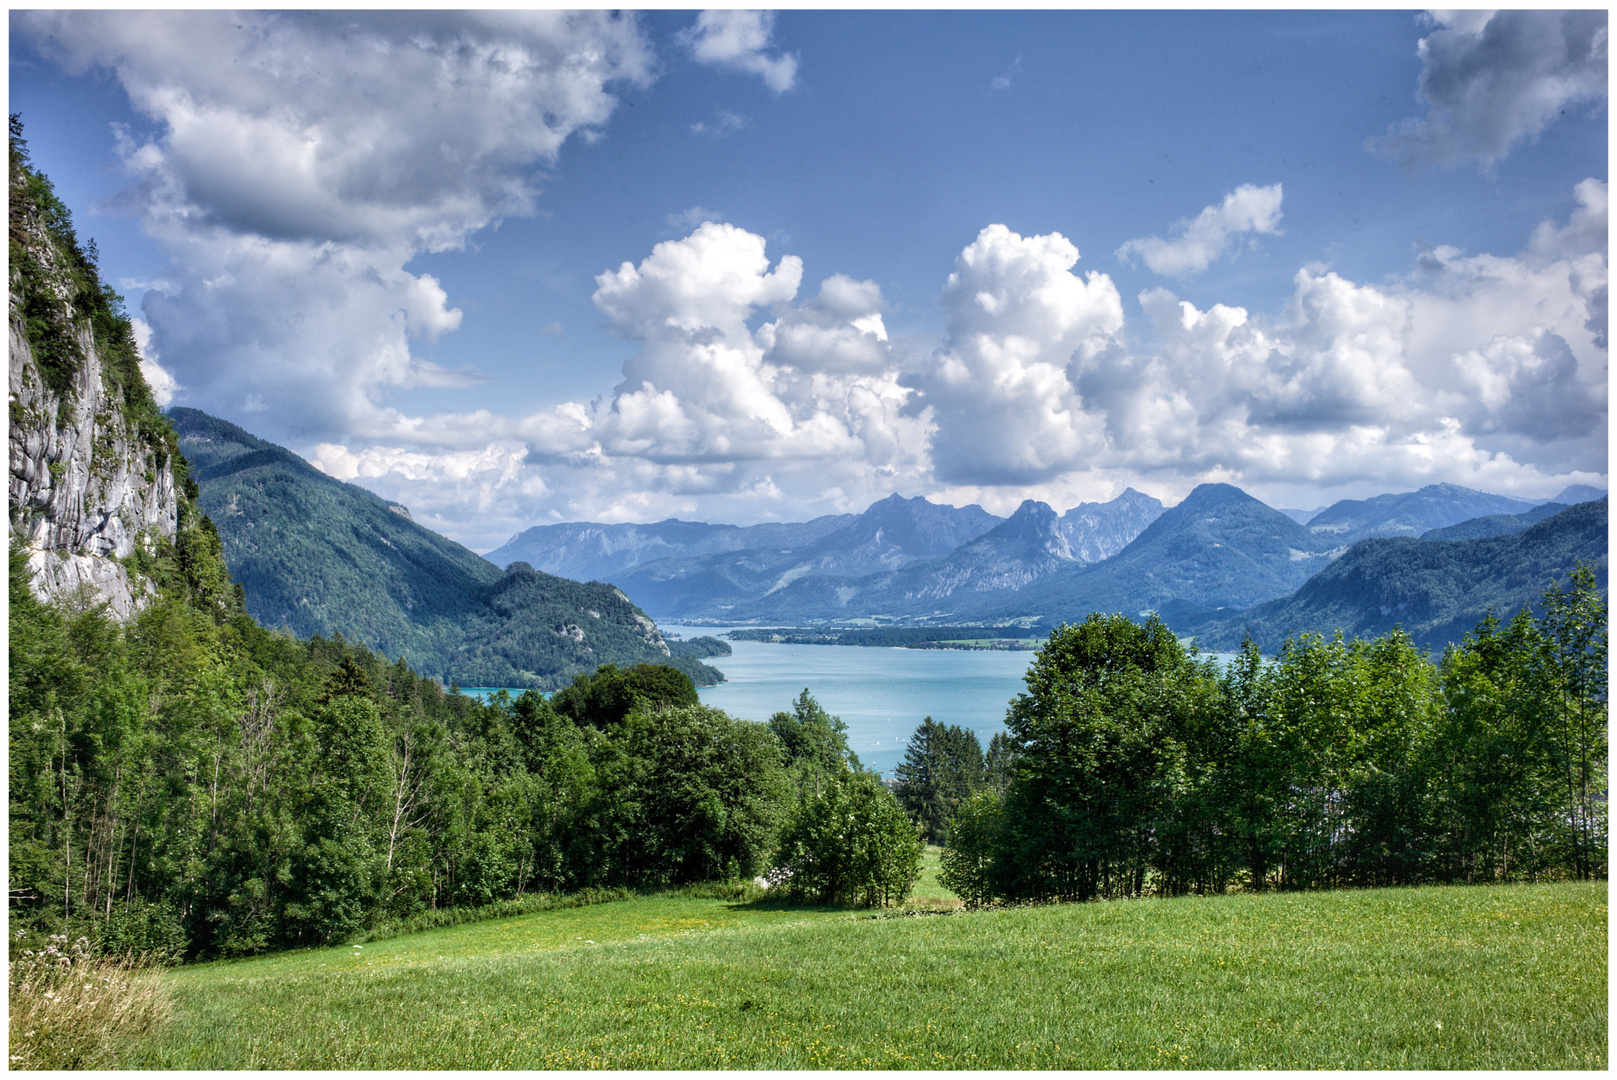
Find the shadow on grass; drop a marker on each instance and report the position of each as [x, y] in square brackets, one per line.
[776, 903]
[925, 906]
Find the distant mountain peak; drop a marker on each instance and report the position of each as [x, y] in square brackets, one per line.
[1097, 531]
[1032, 508]
[1411, 513]
[1217, 494]
[1579, 493]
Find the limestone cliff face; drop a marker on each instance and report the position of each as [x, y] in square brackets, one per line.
[89, 481]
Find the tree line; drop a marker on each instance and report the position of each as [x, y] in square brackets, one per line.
[192, 785]
[1139, 768]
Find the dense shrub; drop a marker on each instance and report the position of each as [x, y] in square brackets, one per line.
[851, 844]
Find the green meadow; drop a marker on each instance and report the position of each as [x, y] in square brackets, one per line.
[1497, 977]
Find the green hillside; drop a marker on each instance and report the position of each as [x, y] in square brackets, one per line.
[1500, 977]
[318, 556]
[1437, 590]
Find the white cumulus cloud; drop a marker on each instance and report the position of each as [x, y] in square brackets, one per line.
[704, 388]
[749, 400]
[1491, 81]
[1483, 370]
[303, 159]
[737, 40]
[998, 392]
[157, 377]
[1198, 241]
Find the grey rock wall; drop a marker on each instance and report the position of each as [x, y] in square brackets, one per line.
[84, 487]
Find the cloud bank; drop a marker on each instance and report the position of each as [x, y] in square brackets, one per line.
[302, 161]
[1483, 370]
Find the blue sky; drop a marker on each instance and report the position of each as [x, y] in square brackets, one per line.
[512, 270]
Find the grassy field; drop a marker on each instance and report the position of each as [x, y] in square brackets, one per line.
[928, 894]
[1458, 978]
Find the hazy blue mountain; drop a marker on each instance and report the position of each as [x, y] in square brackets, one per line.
[1029, 545]
[1301, 517]
[1579, 493]
[899, 556]
[891, 533]
[593, 552]
[1437, 590]
[1495, 524]
[1410, 513]
[319, 556]
[1220, 548]
[708, 586]
[1024, 548]
[1097, 531]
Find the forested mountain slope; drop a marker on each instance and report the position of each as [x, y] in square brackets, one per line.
[1495, 524]
[1436, 590]
[319, 556]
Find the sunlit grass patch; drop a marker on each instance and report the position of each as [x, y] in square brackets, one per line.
[1506, 977]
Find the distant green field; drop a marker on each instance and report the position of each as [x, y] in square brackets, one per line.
[928, 893]
[1509, 977]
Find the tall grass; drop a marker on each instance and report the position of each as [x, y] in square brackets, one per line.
[73, 1010]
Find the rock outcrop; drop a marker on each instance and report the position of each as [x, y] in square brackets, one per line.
[89, 483]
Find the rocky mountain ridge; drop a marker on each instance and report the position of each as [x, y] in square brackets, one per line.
[94, 475]
[1097, 531]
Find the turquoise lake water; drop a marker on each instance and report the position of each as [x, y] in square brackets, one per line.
[881, 694]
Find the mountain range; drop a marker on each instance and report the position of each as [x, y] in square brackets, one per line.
[318, 556]
[1218, 552]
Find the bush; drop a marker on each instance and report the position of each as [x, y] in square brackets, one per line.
[965, 865]
[152, 932]
[72, 1010]
[851, 844]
